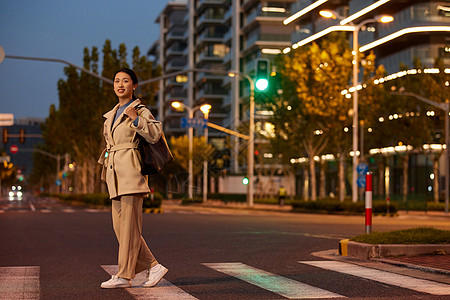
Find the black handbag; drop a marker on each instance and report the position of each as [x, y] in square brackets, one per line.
[154, 156]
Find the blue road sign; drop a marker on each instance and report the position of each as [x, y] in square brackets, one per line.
[362, 168]
[196, 123]
[361, 181]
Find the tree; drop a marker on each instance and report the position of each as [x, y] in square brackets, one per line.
[201, 151]
[424, 129]
[318, 74]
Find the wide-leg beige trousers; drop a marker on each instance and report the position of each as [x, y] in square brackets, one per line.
[134, 255]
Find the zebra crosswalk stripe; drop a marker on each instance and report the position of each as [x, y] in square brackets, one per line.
[163, 290]
[283, 286]
[420, 285]
[19, 282]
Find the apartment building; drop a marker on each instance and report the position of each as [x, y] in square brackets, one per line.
[420, 28]
[209, 45]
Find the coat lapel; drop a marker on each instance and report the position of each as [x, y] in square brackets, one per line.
[108, 123]
[110, 119]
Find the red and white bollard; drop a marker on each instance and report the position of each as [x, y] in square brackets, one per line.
[369, 202]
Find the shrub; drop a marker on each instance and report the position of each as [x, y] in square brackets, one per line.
[229, 197]
[153, 203]
[436, 206]
[420, 235]
[346, 207]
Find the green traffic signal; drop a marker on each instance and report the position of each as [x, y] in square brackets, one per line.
[262, 84]
[262, 74]
[245, 180]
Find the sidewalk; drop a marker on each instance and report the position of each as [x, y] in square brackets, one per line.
[435, 264]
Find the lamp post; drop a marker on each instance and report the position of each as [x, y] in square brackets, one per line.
[355, 52]
[251, 140]
[191, 111]
[205, 110]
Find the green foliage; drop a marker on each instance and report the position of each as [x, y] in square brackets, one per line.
[7, 172]
[228, 197]
[432, 206]
[201, 152]
[100, 199]
[420, 235]
[339, 207]
[153, 203]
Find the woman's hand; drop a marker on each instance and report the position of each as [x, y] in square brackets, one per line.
[131, 113]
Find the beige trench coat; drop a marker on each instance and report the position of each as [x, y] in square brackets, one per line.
[121, 159]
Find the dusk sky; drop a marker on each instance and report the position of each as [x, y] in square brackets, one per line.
[62, 29]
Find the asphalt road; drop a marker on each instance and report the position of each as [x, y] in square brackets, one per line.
[210, 253]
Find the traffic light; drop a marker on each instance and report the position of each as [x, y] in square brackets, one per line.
[21, 136]
[5, 136]
[262, 74]
[256, 156]
[245, 180]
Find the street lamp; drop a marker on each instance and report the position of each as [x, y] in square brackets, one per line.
[251, 140]
[205, 110]
[191, 111]
[355, 52]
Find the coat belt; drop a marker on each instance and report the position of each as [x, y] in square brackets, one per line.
[122, 147]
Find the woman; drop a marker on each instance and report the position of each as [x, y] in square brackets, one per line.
[126, 185]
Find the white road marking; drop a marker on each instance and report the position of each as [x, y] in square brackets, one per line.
[163, 290]
[19, 283]
[283, 286]
[32, 207]
[420, 285]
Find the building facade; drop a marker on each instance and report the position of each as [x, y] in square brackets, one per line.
[231, 35]
[420, 31]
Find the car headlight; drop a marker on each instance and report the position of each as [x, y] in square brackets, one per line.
[19, 194]
[11, 194]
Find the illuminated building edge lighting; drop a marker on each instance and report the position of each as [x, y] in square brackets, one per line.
[363, 11]
[403, 32]
[303, 11]
[372, 44]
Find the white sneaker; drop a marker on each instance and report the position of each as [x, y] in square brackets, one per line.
[155, 275]
[116, 282]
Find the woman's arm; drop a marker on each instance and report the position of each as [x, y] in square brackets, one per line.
[148, 127]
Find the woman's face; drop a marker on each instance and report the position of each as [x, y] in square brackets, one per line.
[123, 86]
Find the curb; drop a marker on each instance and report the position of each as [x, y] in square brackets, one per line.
[156, 210]
[369, 251]
[412, 266]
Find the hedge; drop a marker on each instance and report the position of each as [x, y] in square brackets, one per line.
[102, 199]
[346, 207]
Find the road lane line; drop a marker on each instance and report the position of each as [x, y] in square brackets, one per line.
[19, 283]
[163, 290]
[280, 285]
[32, 207]
[420, 285]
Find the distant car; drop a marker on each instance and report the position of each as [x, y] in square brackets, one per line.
[15, 193]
